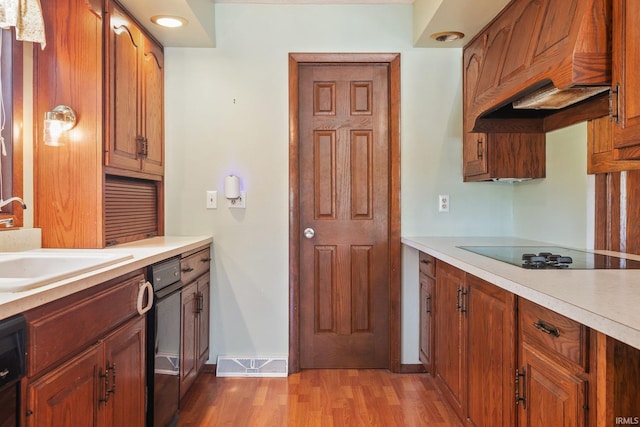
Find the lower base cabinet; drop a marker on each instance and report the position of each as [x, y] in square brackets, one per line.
[491, 334]
[475, 347]
[550, 395]
[86, 360]
[556, 370]
[194, 350]
[104, 385]
[501, 360]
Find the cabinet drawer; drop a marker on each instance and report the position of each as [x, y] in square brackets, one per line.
[553, 332]
[194, 265]
[61, 330]
[427, 265]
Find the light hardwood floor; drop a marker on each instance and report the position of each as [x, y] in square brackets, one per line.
[317, 398]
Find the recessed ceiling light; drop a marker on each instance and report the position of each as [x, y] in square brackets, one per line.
[168, 21]
[447, 36]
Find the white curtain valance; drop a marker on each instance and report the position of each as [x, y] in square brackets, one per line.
[26, 17]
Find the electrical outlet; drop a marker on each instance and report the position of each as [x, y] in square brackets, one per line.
[239, 203]
[443, 203]
[212, 199]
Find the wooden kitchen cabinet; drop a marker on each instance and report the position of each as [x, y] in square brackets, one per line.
[489, 156]
[86, 362]
[626, 79]
[494, 155]
[555, 370]
[450, 342]
[195, 273]
[475, 347]
[601, 153]
[87, 196]
[427, 311]
[491, 357]
[135, 94]
[103, 386]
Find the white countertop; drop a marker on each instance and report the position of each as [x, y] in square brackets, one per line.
[143, 253]
[605, 300]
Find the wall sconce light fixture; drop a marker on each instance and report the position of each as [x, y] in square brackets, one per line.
[61, 119]
[236, 198]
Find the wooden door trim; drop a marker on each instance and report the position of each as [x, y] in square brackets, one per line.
[393, 62]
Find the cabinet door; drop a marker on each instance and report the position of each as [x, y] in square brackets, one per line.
[491, 353]
[553, 397]
[125, 357]
[601, 155]
[189, 358]
[152, 107]
[204, 315]
[626, 79]
[427, 303]
[68, 396]
[450, 342]
[124, 47]
[474, 144]
[475, 154]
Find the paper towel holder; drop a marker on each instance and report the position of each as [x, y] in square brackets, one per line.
[232, 193]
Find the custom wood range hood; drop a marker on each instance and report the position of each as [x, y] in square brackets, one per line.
[538, 66]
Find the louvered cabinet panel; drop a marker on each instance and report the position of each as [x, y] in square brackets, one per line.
[131, 210]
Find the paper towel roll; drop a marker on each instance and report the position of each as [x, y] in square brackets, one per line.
[232, 187]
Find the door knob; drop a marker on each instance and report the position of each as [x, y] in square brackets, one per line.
[309, 233]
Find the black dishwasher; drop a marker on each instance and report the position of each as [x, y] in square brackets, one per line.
[12, 361]
[163, 344]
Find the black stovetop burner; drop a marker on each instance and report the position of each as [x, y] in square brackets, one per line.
[553, 257]
[545, 260]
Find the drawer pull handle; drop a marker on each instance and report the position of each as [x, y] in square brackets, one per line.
[425, 261]
[547, 328]
[187, 270]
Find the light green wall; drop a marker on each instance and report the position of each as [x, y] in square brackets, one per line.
[227, 112]
[559, 208]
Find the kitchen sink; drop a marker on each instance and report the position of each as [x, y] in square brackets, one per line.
[21, 271]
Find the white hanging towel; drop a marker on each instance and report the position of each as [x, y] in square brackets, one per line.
[26, 16]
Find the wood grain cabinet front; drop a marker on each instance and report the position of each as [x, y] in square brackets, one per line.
[494, 155]
[195, 273]
[135, 75]
[475, 347]
[427, 281]
[555, 372]
[626, 79]
[86, 360]
[105, 186]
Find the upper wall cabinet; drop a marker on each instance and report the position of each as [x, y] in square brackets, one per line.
[489, 156]
[135, 64]
[104, 185]
[538, 66]
[538, 57]
[626, 78]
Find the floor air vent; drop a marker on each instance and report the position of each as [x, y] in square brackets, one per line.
[251, 366]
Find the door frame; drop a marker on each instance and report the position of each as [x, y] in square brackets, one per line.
[393, 62]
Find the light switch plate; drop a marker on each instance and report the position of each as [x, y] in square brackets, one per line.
[212, 199]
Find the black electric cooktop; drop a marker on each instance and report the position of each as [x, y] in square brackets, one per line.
[552, 257]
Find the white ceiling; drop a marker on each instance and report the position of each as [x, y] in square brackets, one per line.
[430, 16]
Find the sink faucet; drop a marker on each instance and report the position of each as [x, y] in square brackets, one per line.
[4, 203]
